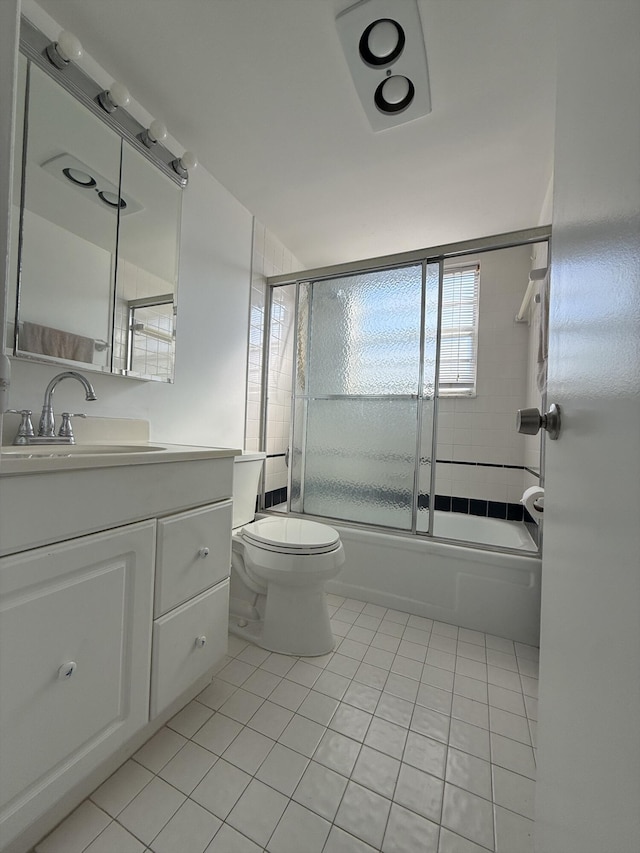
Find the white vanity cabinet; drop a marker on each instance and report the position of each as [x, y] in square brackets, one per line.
[191, 599]
[114, 591]
[75, 643]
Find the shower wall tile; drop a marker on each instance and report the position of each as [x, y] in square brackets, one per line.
[481, 429]
[482, 482]
[270, 257]
[534, 397]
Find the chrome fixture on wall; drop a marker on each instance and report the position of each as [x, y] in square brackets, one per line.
[385, 51]
[59, 60]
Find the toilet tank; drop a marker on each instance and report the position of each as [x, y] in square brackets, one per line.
[246, 476]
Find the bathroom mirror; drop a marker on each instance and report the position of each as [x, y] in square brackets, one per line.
[95, 240]
[144, 329]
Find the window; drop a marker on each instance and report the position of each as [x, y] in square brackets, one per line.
[459, 331]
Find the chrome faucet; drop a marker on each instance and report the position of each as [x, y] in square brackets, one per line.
[46, 428]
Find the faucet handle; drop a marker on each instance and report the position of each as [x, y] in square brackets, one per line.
[66, 430]
[25, 430]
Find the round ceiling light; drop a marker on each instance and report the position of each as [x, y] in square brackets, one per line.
[394, 94]
[76, 176]
[382, 42]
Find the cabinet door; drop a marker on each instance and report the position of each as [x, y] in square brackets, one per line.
[194, 553]
[75, 627]
[186, 643]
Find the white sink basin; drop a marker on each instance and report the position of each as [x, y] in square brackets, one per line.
[26, 451]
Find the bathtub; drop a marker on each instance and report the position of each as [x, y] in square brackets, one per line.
[488, 591]
[483, 531]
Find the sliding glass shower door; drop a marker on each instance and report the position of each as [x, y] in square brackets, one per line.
[364, 395]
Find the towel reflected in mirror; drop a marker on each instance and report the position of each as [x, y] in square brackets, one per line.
[56, 343]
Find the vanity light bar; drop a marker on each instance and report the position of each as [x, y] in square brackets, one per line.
[34, 45]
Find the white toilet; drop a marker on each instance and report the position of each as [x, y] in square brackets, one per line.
[278, 571]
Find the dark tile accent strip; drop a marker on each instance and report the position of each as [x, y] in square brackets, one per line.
[443, 503]
[423, 501]
[485, 465]
[515, 512]
[275, 497]
[460, 505]
[496, 509]
[477, 507]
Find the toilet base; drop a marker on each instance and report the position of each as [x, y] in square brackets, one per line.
[295, 623]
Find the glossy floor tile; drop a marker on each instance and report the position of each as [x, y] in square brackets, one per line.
[412, 736]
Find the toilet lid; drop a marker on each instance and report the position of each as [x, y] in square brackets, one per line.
[292, 535]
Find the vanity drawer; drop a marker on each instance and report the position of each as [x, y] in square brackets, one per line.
[193, 554]
[186, 643]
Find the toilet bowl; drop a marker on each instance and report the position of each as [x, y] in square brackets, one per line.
[282, 564]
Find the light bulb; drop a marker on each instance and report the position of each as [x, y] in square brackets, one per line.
[181, 165]
[67, 49]
[189, 160]
[69, 46]
[157, 130]
[119, 94]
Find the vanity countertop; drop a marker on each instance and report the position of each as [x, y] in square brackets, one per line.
[41, 459]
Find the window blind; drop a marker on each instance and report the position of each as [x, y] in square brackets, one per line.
[459, 331]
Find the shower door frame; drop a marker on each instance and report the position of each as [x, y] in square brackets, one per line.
[423, 257]
[419, 398]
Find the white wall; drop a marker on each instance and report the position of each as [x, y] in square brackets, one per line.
[206, 405]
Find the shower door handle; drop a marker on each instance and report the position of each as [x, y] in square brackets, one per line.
[529, 421]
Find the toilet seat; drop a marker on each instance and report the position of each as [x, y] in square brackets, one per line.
[291, 536]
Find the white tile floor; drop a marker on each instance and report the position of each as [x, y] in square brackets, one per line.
[411, 736]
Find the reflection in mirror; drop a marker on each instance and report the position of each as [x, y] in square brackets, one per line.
[151, 336]
[144, 335]
[69, 229]
[95, 229]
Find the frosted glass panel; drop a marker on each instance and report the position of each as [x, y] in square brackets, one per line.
[302, 336]
[365, 334]
[296, 457]
[360, 460]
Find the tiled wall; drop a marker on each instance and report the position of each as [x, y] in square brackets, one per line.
[481, 429]
[534, 395]
[153, 355]
[270, 257]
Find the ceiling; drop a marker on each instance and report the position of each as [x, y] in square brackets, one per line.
[260, 89]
